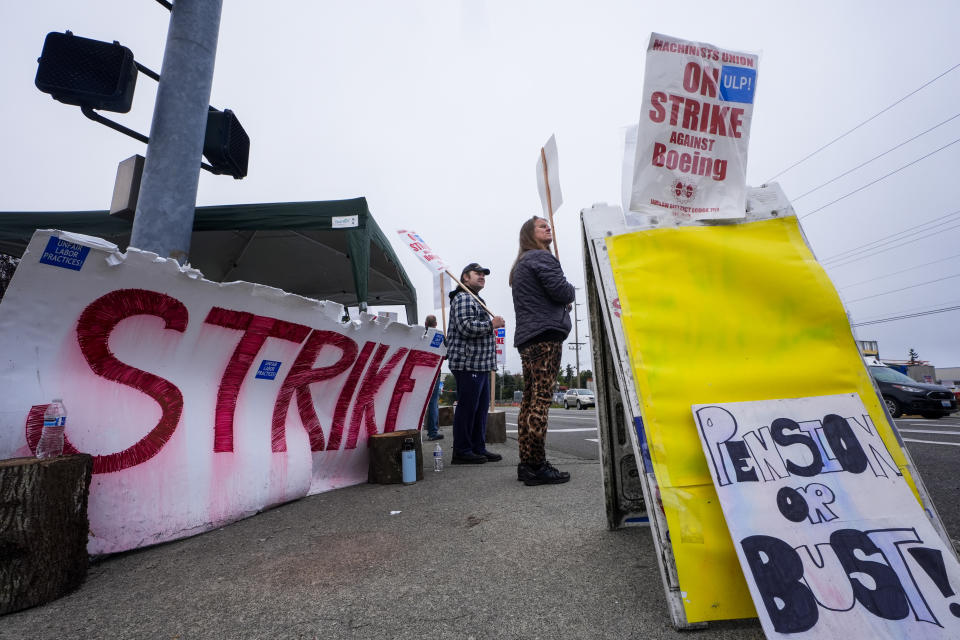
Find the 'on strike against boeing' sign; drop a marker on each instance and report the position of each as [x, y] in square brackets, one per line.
[832, 541]
[691, 155]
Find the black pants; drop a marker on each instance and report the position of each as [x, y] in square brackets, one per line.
[470, 416]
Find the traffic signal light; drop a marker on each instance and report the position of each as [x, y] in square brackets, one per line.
[225, 144]
[87, 73]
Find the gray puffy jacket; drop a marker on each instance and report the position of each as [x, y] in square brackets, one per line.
[541, 294]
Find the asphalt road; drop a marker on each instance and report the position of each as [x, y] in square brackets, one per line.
[466, 553]
[934, 446]
[571, 431]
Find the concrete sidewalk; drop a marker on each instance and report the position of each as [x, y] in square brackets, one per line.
[472, 553]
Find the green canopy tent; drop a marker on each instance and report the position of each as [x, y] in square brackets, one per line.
[330, 250]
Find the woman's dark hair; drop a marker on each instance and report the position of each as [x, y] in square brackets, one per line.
[528, 242]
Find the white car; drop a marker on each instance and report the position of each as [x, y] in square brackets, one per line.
[579, 398]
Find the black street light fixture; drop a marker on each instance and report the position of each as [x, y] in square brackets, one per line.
[225, 144]
[87, 73]
[101, 75]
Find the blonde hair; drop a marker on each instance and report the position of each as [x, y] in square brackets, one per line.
[528, 242]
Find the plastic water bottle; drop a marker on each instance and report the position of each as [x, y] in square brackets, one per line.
[408, 462]
[438, 458]
[54, 421]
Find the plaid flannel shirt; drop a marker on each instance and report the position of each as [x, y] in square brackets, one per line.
[471, 343]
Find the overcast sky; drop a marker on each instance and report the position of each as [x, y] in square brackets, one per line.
[435, 111]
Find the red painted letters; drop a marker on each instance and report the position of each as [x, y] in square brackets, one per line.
[363, 409]
[346, 396]
[256, 331]
[360, 389]
[405, 384]
[301, 376]
[93, 332]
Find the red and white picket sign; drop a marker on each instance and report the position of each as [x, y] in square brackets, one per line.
[691, 152]
[436, 264]
[202, 403]
[417, 244]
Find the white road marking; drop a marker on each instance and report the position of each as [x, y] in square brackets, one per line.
[561, 430]
[952, 444]
[592, 439]
[591, 418]
[942, 433]
[930, 423]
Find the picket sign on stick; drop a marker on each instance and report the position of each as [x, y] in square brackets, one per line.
[416, 243]
[548, 184]
[556, 247]
[436, 264]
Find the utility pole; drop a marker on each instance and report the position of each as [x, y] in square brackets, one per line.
[168, 190]
[576, 338]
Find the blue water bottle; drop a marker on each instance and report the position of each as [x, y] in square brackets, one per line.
[408, 459]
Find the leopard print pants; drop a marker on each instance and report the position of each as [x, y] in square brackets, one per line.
[541, 364]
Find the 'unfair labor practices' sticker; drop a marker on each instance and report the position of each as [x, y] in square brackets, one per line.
[61, 253]
[268, 369]
[737, 84]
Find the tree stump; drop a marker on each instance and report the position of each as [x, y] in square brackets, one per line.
[496, 427]
[446, 417]
[385, 464]
[43, 529]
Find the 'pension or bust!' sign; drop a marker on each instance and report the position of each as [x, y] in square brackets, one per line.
[691, 155]
[832, 542]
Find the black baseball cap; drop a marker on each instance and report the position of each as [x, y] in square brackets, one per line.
[475, 266]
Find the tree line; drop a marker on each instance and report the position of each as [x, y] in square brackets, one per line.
[508, 382]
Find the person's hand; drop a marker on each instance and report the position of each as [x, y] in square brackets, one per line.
[498, 322]
[569, 306]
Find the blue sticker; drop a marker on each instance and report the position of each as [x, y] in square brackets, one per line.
[737, 84]
[61, 253]
[268, 369]
[644, 449]
[437, 340]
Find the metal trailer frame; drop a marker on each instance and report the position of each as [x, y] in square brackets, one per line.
[631, 486]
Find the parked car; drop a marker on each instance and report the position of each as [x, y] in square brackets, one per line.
[904, 395]
[579, 398]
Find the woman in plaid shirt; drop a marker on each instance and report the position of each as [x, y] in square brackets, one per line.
[471, 356]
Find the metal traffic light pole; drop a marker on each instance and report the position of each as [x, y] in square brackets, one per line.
[171, 172]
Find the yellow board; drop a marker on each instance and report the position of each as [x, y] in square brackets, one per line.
[726, 314]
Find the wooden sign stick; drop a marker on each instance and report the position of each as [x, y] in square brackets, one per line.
[443, 305]
[472, 294]
[546, 184]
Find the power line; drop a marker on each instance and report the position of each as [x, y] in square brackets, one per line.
[883, 177]
[912, 286]
[923, 307]
[896, 246]
[877, 157]
[887, 275]
[904, 317]
[893, 237]
[882, 111]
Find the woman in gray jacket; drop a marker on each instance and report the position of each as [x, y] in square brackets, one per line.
[542, 299]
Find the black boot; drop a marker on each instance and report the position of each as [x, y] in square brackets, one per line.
[545, 474]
